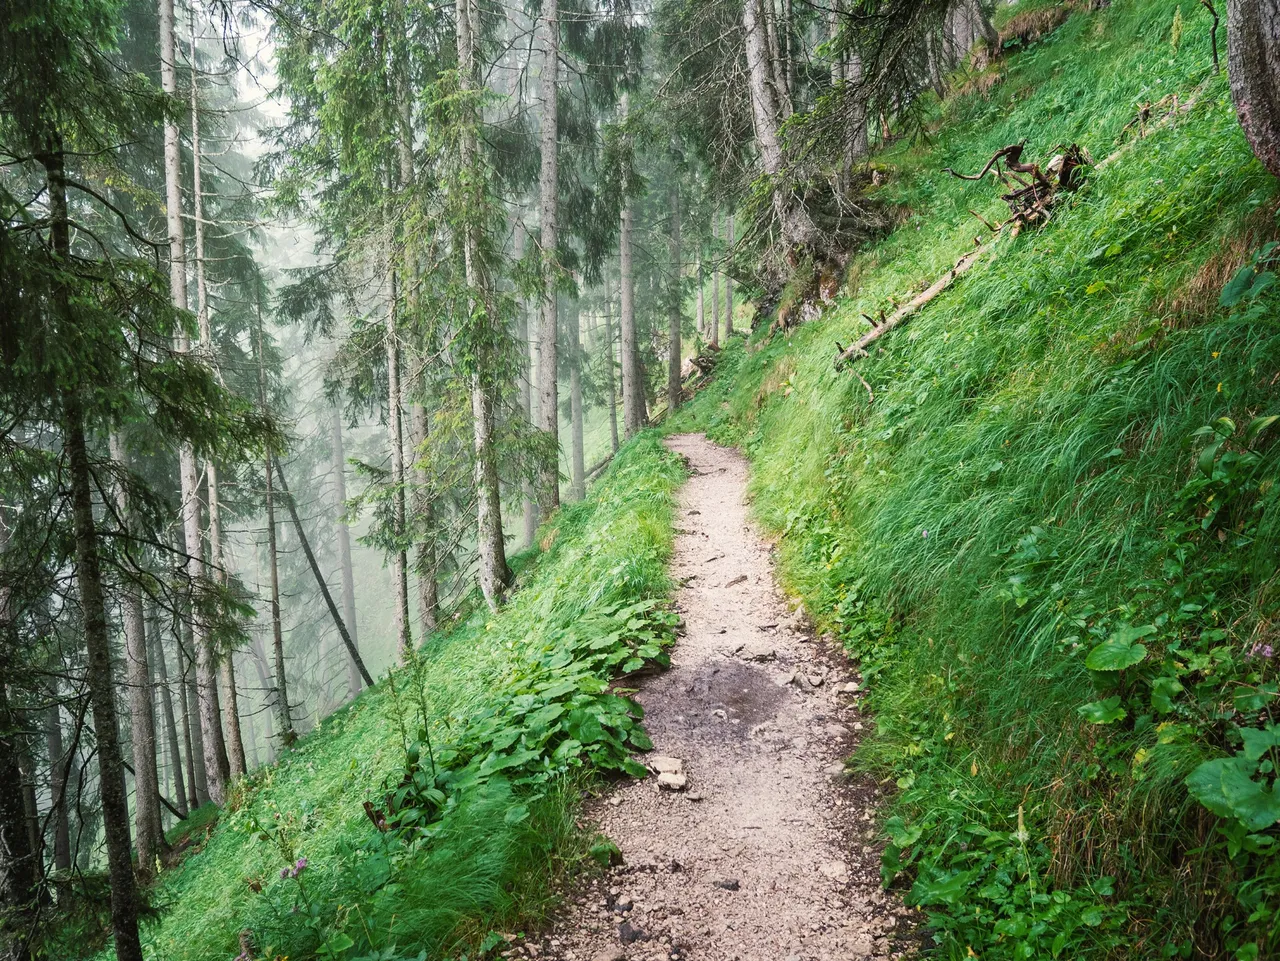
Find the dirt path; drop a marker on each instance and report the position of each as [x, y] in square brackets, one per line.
[765, 855]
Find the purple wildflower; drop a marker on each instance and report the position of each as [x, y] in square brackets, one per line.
[284, 872]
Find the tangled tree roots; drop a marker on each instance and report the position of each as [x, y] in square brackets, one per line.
[1031, 190]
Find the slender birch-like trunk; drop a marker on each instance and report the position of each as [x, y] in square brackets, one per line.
[548, 188]
[674, 306]
[354, 681]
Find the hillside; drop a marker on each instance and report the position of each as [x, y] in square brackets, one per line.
[1043, 478]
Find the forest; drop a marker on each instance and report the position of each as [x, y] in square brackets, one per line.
[620, 480]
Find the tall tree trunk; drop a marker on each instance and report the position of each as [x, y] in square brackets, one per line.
[99, 673]
[206, 678]
[18, 863]
[59, 763]
[769, 107]
[280, 687]
[699, 306]
[578, 470]
[1253, 63]
[262, 666]
[674, 306]
[728, 281]
[525, 386]
[171, 728]
[634, 415]
[548, 186]
[715, 286]
[102, 688]
[199, 793]
[230, 699]
[609, 367]
[344, 553]
[395, 439]
[494, 573]
[148, 831]
[425, 561]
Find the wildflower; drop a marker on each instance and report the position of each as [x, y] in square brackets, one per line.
[284, 872]
[298, 868]
[924, 534]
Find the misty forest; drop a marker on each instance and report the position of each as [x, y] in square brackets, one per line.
[639, 480]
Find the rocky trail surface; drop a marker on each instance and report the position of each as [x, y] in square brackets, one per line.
[749, 842]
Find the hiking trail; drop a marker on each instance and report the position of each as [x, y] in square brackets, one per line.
[768, 852]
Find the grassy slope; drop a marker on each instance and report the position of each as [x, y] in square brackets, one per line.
[1002, 504]
[488, 865]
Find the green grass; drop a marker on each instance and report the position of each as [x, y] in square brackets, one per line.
[1017, 492]
[507, 831]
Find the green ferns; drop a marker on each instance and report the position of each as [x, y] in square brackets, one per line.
[1058, 582]
[468, 836]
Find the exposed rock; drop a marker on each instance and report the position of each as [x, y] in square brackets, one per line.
[672, 782]
[835, 870]
[729, 884]
[662, 764]
[629, 934]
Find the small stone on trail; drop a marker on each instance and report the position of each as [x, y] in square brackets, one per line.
[857, 725]
[662, 764]
[611, 954]
[693, 796]
[628, 934]
[736, 581]
[729, 884]
[758, 651]
[835, 870]
[672, 782]
[835, 770]
[851, 688]
[615, 801]
[782, 680]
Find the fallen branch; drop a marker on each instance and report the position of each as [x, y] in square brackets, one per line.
[859, 348]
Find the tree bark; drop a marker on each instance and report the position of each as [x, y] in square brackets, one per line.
[525, 388]
[699, 306]
[18, 863]
[198, 792]
[280, 687]
[148, 831]
[1253, 63]
[206, 680]
[494, 573]
[609, 367]
[395, 439]
[728, 281]
[548, 187]
[88, 572]
[634, 415]
[578, 472]
[354, 682]
[715, 286]
[102, 688]
[674, 297]
[769, 107]
[58, 766]
[171, 729]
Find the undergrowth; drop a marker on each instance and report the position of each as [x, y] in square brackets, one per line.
[436, 812]
[1051, 539]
